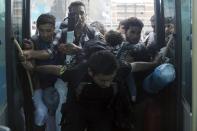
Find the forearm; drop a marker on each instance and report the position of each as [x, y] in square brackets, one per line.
[141, 66]
[40, 54]
[49, 69]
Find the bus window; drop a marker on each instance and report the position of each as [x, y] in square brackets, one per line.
[109, 12]
[186, 50]
[17, 19]
[3, 96]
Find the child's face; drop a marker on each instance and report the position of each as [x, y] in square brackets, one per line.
[133, 34]
[46, 32]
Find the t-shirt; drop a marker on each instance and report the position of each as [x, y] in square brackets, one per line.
[46, 80]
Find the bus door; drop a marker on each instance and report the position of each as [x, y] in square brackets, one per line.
[3, 91]
[184, 62]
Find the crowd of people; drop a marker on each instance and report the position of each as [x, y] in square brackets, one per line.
[89, 79]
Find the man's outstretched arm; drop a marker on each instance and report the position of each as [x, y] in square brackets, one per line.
[51, 69]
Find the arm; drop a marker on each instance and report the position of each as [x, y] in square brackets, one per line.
[69, 48]
[37, 54]
[168, 45]
[51, 69]
[141, 66]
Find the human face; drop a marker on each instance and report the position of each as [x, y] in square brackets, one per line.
[103, 81]
[133, 34]
[79, 14]
[169, 29]
[46, 32]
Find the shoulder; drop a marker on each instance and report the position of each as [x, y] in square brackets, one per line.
[75, 72]
[90, 31]
[64, 24]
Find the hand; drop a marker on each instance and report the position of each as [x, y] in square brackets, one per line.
[68, 48]
[27, 44]
[129, 58]
[21, 57]
[28, 65]
[28, 54]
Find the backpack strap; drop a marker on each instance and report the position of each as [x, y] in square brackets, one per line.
[90, 32]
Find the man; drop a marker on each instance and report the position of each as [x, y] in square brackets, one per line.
[121, 28]
[46, 96]
[150, 38]
[150, 41]
[77, 31]
[99, 27]
[97, 97]
[133, 49]
[76, 21]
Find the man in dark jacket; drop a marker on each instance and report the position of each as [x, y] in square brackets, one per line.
[76, 21]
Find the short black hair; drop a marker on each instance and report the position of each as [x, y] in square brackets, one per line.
[103, 62]
[122, 22]
[76, 3]
[92, 46]
[169, 20]
[133, 21]
[45, 19]
[99, 26]
[114, 38]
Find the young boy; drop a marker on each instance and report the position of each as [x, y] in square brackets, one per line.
[92, 93]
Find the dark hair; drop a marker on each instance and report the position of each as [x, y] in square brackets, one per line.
[103, 62]
[99, 26]
[113, 38]
[45, 19]
[122, 22]
[133, 21]
[92, 46]
[76, 3]
[169, 20]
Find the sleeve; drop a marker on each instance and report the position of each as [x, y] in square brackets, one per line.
[64, 24]
[75, 73]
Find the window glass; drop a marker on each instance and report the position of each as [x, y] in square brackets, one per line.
[17, 19]
[108, 12]
[169, 26]
[186, 49]
[2, 57]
